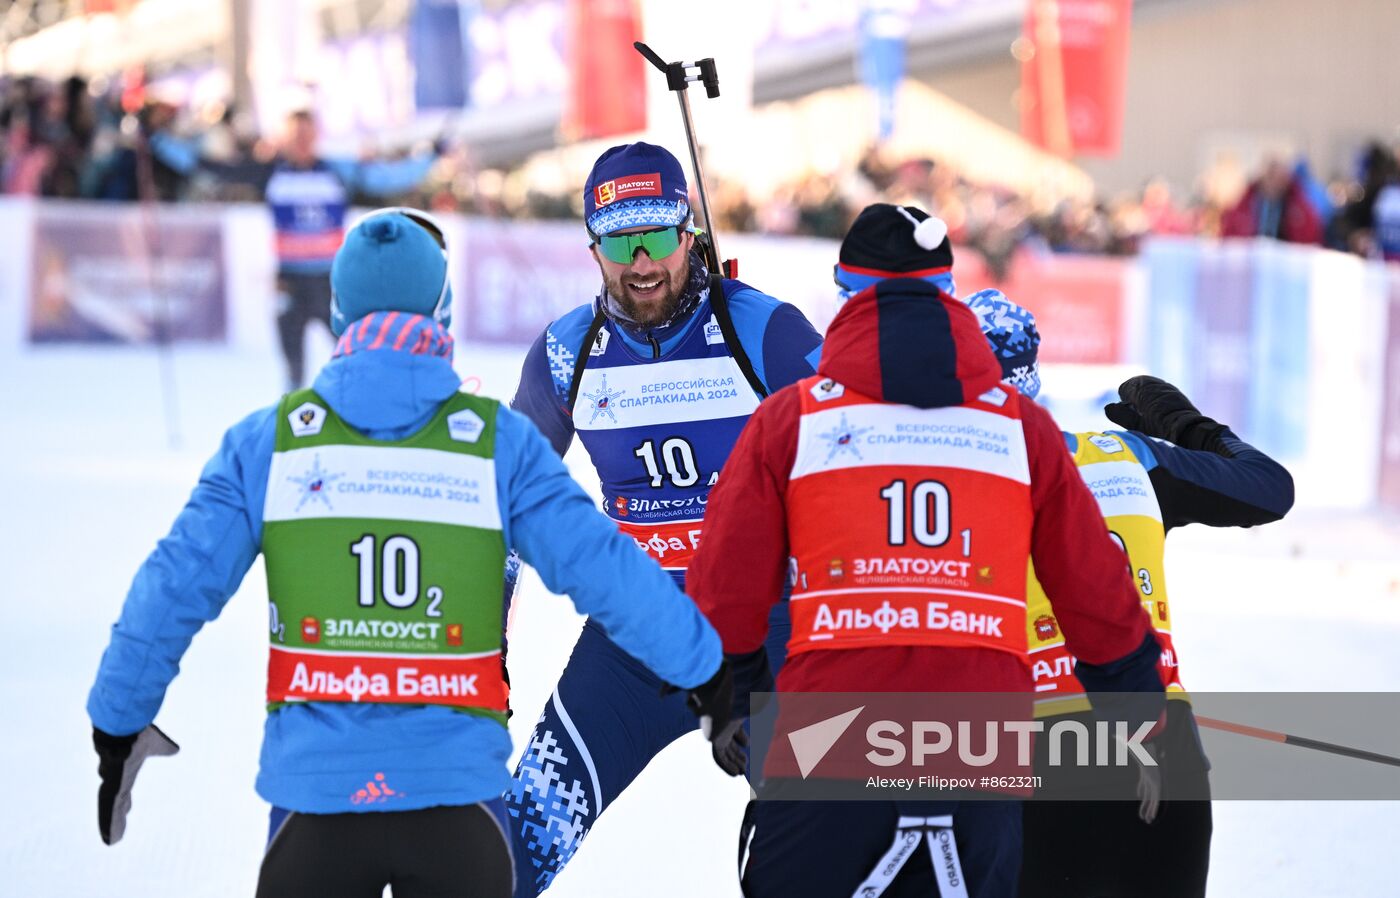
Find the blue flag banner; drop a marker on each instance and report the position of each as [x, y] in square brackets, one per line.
[884, 32]
[439, 53]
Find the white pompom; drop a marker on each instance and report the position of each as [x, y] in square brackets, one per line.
[931, 232]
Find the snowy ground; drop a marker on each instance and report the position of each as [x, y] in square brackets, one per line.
[90, 482]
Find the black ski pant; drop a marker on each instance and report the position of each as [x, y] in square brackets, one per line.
[302, 299]
[1102, 849]
[459, 851]
[826, 849]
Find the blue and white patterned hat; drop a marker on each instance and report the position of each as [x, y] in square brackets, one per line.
[1010, 329]
[635, 185]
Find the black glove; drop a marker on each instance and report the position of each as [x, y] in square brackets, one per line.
[730, 748]
[710, 701]
[119, 760]
[1152, 406]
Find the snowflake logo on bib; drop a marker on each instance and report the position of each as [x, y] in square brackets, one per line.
[315, 484]
[844, 438]
[602, 400]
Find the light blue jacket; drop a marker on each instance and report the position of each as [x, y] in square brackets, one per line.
[316, 755]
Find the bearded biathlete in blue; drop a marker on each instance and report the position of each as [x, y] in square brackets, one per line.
[657, 376]
[383, 501]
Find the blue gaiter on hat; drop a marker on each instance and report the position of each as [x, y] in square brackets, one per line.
[1010, 329]
[389, 263]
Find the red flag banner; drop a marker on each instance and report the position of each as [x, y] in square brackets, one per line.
[1073, 69]
[1080, 302]
[607, 78]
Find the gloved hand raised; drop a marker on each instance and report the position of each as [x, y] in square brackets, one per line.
[119, 760]
[1152, 406]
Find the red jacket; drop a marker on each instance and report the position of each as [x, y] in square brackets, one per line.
[905, 342]
[1298, 221]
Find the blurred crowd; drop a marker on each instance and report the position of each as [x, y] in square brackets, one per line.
[101, 140]
[75, 139]
[81, 139]
[1282, 200]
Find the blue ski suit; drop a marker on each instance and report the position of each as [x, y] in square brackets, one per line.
[658, 411]
[386, 380]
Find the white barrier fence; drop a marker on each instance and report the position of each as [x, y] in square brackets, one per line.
[1298, 348]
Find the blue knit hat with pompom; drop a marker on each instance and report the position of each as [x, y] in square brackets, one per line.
[392, 260]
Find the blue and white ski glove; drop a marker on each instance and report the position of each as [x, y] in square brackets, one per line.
[119, 760]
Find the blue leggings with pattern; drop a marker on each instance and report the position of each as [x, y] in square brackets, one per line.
[604, 723]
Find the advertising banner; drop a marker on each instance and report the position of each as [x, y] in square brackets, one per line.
[1222, 348]
[1390, 416]
[1282, 362]
[513, 277]
[1169, 265]
[516, 277]
[1074, 74]
[1230, 323]
[123, 274]
[1079, 302]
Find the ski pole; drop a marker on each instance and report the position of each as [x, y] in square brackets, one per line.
[1300, 741]
[678, 78]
